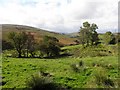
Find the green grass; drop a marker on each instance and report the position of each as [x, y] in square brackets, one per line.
[92, 51]
[72, 47]
[99, 68]
[16, 71]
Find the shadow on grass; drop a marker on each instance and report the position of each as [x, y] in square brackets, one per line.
[46, 57]
[60, 56]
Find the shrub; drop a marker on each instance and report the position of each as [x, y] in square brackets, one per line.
[38, 82]
[75, 68]
[81, 63]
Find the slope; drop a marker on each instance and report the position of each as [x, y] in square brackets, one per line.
[38, 33]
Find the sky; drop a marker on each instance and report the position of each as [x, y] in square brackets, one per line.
[64, 16]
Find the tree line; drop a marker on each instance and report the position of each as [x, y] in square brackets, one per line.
[27, 46]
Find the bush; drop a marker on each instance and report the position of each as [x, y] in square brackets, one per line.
[75, 68]
[78, 67]
[37, 82]
[81, 63]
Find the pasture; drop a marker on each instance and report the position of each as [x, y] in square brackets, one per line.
[16, 71]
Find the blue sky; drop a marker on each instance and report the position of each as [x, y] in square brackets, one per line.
[64, 16]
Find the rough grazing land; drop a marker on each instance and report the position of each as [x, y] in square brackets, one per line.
[16, 71]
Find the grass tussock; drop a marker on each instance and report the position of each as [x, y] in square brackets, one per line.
[102, 79]
[37, 82]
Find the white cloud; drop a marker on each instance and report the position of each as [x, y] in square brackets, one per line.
[60, 15]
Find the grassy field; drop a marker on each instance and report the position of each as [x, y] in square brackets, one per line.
[16, 71]
[92, 51]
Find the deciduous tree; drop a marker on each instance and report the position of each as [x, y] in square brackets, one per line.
[109, 38]
[88, 34]
[49, 46]
[19, 39]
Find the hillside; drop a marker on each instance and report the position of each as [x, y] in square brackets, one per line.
[75, 34]
[39, 33]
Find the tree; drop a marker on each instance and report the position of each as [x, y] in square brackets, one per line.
[95, 38]
[30, 44]
[19, 39]
[84, 37]
[109, 38]
[49, 46]
[94, 34]
[88, 34]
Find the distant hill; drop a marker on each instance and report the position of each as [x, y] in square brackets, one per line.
[75, 34]
[39, 33]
